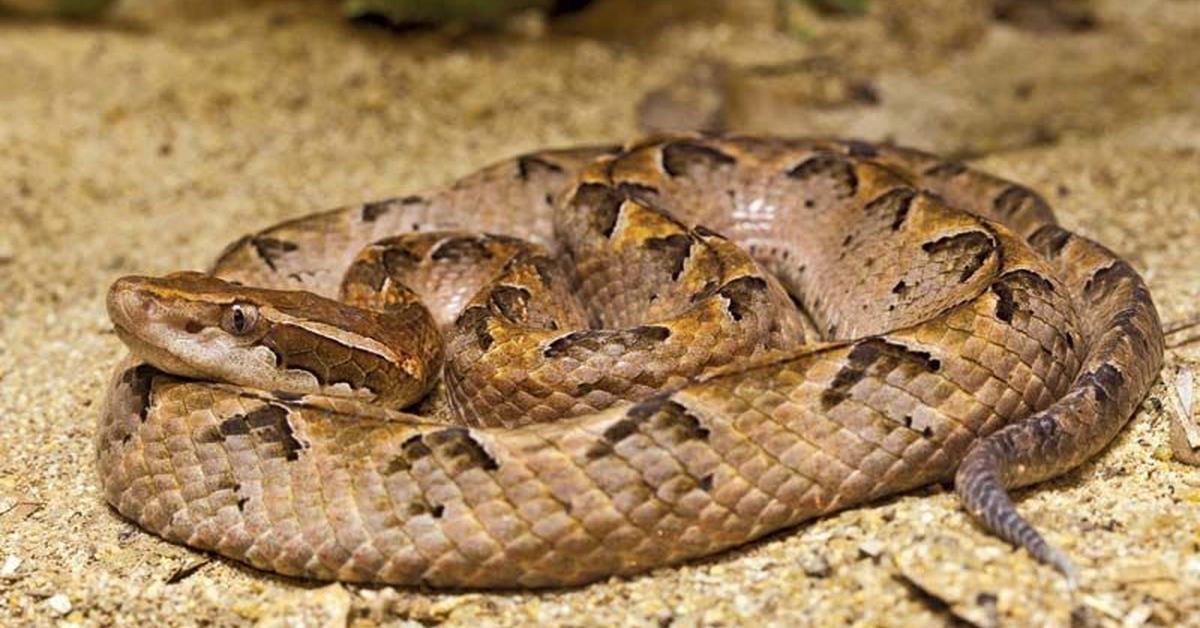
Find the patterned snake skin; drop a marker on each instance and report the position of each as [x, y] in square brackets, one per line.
[623, 388]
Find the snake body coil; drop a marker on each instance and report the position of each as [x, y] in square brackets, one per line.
[626, 382]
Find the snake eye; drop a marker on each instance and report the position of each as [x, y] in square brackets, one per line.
[239, 318]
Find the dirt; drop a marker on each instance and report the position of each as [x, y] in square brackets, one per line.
[144, 143]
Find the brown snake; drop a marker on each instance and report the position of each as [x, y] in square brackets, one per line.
[623, 388]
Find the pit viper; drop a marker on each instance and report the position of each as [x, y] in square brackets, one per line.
[596, 361]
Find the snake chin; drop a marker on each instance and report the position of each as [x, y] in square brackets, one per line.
[156, 356]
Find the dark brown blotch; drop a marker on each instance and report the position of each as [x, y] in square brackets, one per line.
[474, 320]
[603, 205]
[1105, 382]
[668, 418]
[531, 165]
[1015, 197]
[372, 211]
[1050, 239]
[1141, 296]
[511, 302]
[232, 247]
[707, 290]
[268, 424]
[367, 272]
[946, 169]
[674, 250]
[233, 426]
[398, 258]
[271, 425]
[859, 148]
[826, 165]
[640, 192]
[548, 270]
[621, 430]
[1006, 304]
[1127, 320]
[1104, 281]
[897, 202]
[139, 379]
[975, 246]
[1013, 285]
[461, 249]
[599, 449]
[679, 424]
[271, 249]
[411, 450]
[1028, 280]
[876, 357]
[414, 448]
[458, 443]
[743, 295]
[1046, 429]
[681, 158]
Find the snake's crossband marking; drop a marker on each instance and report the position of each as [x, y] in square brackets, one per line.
[879, 357]
[1024, 280]
[622, 385]
[976, 246]
[268, 425]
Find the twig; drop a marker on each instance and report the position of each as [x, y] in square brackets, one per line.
[1180, 325]
[186, 571]
[1185, 341]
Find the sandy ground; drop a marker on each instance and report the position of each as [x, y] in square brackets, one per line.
[145, 143]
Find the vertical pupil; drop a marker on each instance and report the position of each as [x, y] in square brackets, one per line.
[239, 319]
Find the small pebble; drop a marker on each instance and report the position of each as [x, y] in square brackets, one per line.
[1185, 388]
[11, 564]
[60, 604]
[815, 565]
[870, 549]
[1192, 567]
[1138, 615]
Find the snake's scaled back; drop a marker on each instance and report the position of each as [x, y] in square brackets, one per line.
[627, 381]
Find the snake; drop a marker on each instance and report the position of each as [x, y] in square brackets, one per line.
[596, 361]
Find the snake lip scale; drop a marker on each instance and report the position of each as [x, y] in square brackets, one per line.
[595, 361]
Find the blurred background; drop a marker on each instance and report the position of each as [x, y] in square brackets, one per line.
[143, 135]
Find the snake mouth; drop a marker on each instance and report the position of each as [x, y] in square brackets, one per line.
[155, 355]
[129, 308]
[136, 315]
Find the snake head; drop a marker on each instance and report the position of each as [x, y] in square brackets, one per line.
[191, 324]
[201, 327]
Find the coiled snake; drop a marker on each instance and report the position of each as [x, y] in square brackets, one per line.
[623, 386]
